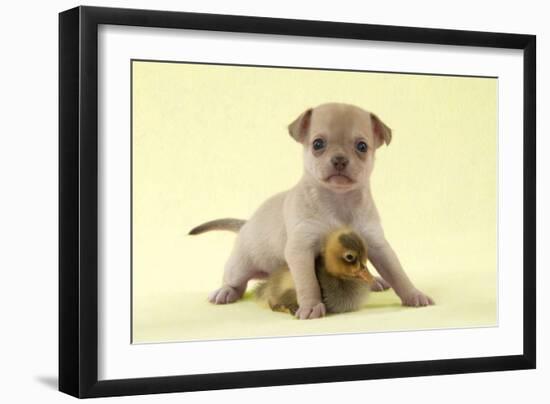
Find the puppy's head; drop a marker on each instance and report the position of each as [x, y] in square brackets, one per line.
[339, 142]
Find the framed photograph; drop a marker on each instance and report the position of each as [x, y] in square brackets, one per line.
[250, 201]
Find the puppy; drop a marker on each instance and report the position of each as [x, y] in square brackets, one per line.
[339, 143]
[341, 270]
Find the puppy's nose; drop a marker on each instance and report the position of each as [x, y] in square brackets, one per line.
[339, 162]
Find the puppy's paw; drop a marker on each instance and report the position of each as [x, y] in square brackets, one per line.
[416, 298]
[307, 312]
[379, 285]
[225, 294]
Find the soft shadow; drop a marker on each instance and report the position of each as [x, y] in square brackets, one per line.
[389, 306]
[48, 381]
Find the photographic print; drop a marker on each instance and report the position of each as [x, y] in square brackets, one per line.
[272, 201]
[249, 201]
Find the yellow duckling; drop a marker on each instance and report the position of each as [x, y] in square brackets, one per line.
[341, 270]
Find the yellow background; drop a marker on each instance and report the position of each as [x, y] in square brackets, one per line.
[211, 142]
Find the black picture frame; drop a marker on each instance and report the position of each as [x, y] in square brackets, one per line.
[78, 201]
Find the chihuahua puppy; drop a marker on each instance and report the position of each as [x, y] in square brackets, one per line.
[341, 270]
[339, 143]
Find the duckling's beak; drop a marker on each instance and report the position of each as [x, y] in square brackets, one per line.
[365, 273]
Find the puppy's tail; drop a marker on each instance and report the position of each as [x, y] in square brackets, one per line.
[233, 225]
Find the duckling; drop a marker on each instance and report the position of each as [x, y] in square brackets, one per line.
[341, 270]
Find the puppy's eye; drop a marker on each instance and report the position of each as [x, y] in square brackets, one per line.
[318, 144]
[349, 257]
[361, 147]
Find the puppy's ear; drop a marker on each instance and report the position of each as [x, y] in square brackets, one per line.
[300, 127]
[382, 133]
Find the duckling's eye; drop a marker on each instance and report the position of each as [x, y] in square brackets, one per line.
[349, 257]
[361, 147]
[318, 144]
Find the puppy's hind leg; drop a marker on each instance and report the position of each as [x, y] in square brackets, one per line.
[379, 284]
[236, 275]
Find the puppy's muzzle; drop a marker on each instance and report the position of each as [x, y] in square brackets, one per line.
[339, 162]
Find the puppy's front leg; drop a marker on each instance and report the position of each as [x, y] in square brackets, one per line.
[300, 258]
[387, 264]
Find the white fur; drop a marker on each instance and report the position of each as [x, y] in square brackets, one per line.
[290, 226]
